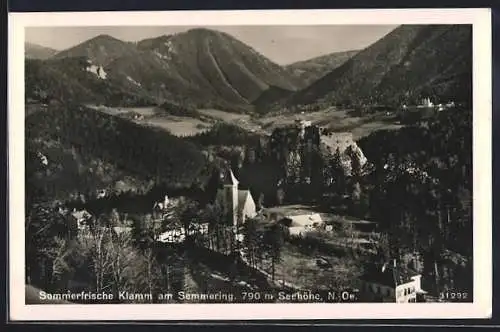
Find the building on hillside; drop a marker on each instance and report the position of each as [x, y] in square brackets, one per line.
[237, 205]
[391, 283]
[301, 224]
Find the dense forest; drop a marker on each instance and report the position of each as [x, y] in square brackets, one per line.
[68, 80]
[417, 186]
[225, 134]
[147, 154]
[410, 63]
[414, 188]
[420, 192]
[60, 258]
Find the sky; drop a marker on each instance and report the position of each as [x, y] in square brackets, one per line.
[281, 44]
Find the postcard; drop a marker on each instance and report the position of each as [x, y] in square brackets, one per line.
[249, 165]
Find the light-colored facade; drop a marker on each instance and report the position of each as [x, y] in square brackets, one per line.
[300, 224]
[391, 284]
[403, 293]
[237, 205]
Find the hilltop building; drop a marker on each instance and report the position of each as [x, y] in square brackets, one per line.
[237, 205]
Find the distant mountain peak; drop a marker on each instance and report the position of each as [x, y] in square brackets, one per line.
[407, 64]
[202, 30]
[313, 69]
[200, 67]
[217, 64]
[101, 49]
[105, 37]
[35, 51]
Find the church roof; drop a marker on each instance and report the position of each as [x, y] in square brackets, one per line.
[227, 177]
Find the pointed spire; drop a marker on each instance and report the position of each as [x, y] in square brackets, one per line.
[228, 178]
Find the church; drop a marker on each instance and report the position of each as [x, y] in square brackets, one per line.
[237, 205]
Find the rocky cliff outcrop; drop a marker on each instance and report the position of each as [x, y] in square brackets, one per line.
[303, 146]
[348, 149]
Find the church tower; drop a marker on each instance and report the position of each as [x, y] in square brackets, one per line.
[230, 196]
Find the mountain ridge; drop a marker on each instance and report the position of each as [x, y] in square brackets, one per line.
[313, 69]
[36, 51]
[200, 66]
[211, 69]
[101, 49]
[400, 67]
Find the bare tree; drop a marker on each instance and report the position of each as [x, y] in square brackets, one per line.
[93, 242]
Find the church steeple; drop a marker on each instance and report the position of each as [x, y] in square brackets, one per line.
[230, 195]
[228, 178]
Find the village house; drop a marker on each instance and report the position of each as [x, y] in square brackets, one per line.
[301, 224]
[391, 282]
[237, 205]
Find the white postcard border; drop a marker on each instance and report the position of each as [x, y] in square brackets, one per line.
[482, 183]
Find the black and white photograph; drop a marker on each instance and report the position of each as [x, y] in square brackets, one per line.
[249, 164]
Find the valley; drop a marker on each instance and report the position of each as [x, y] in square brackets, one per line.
[203, 119]
[210, 166]
[151, 117]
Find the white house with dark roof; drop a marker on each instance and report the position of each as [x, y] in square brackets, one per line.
[391, 282]
[237, 205]
[300, 224]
